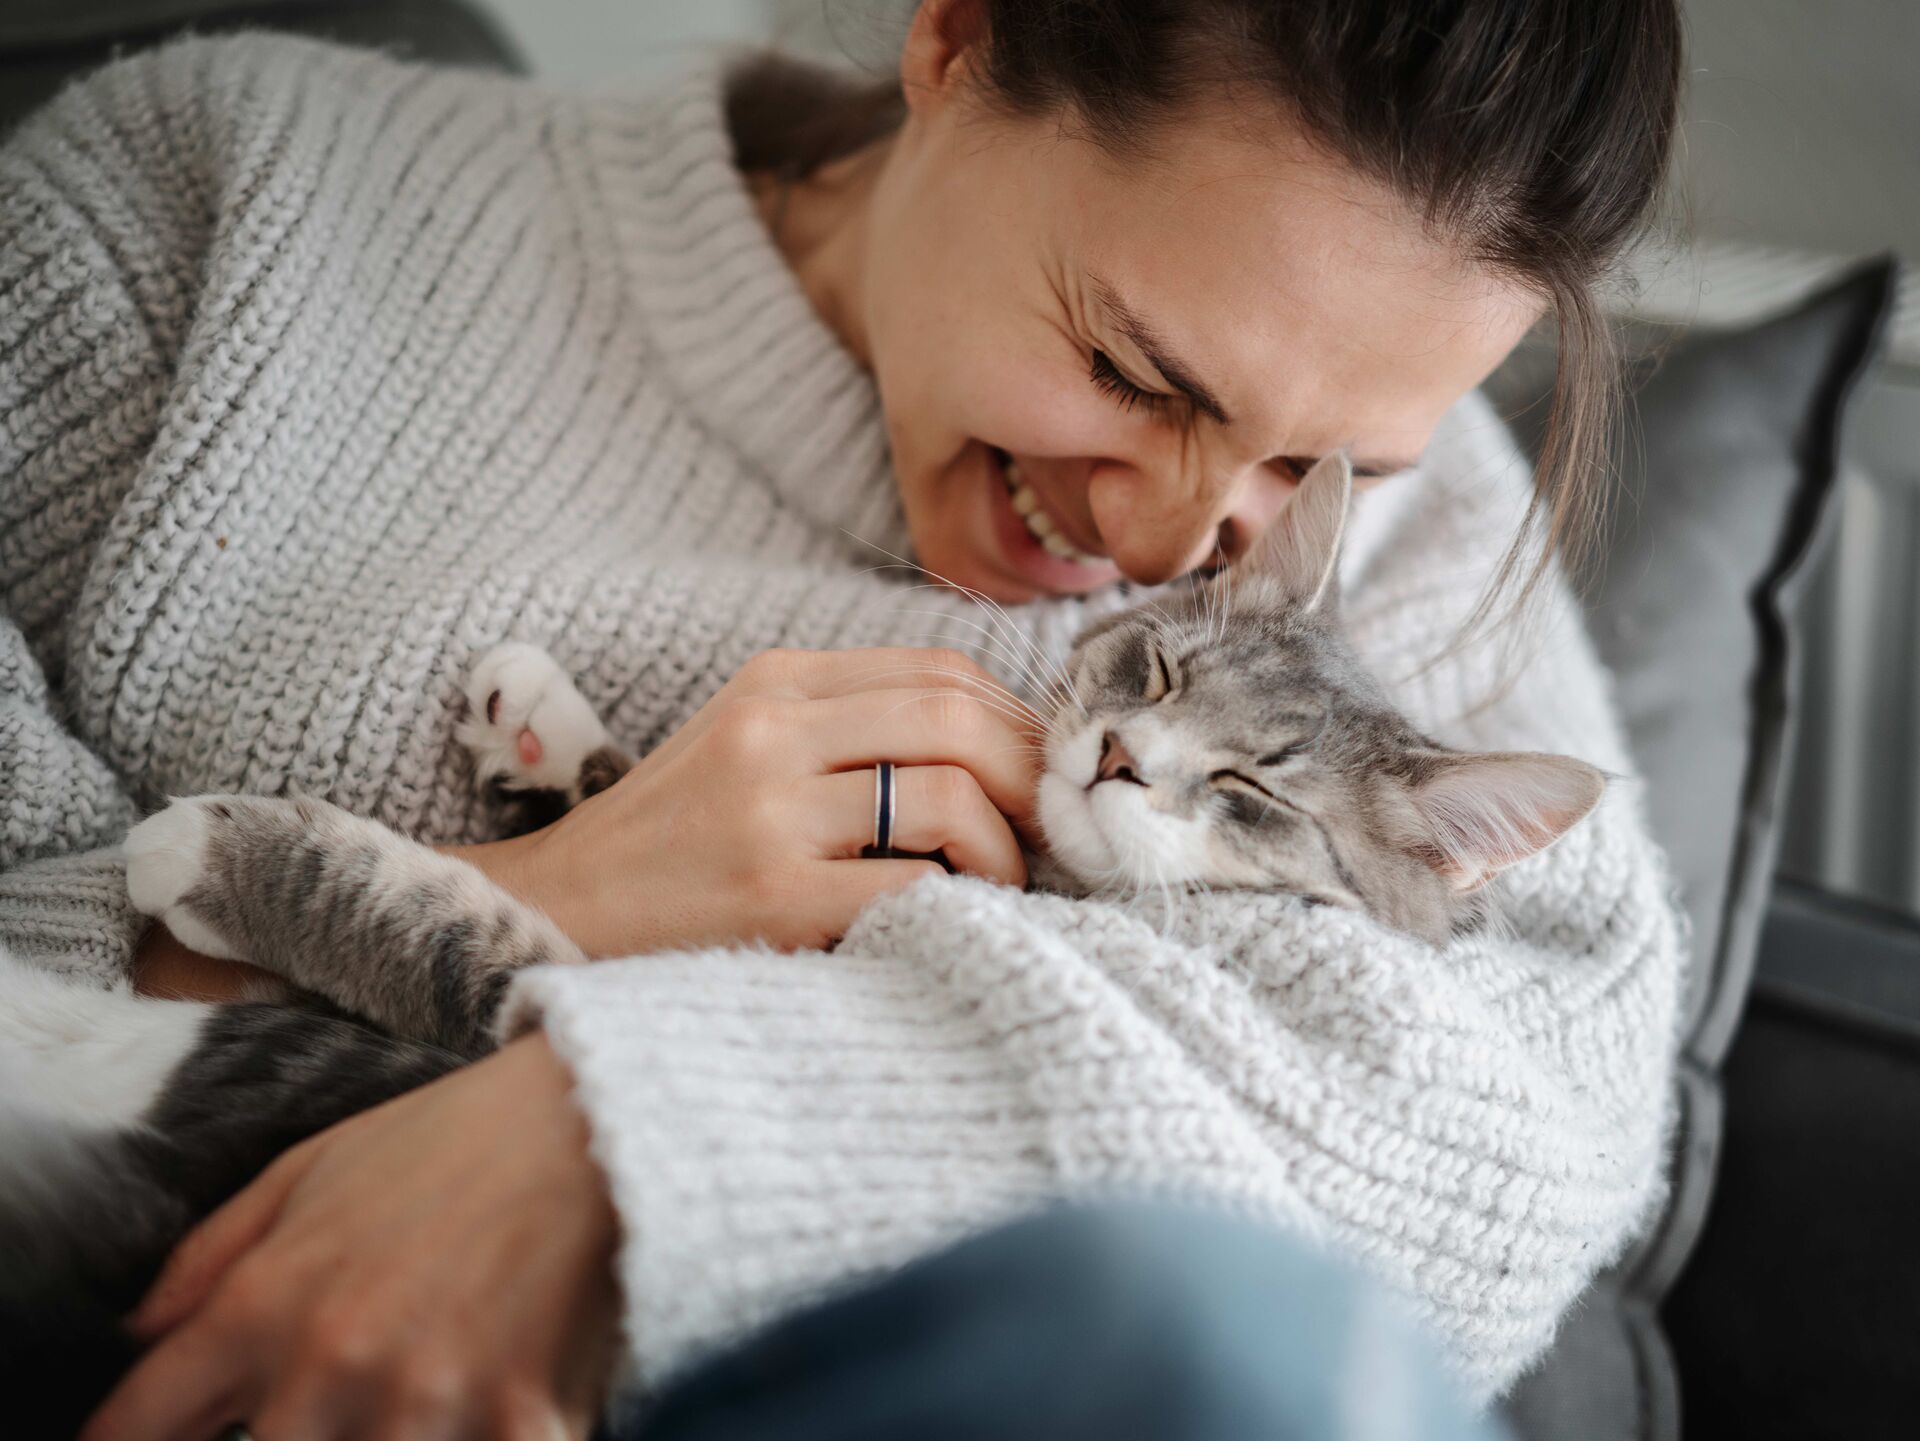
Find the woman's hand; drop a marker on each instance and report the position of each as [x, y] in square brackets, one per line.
[403, 1274]
[747, 823]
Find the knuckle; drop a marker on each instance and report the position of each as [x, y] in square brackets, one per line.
[956, 716]
[760, 816]
[749, 727]
[521, 1411]
[946, 658]
[429, 1381]
[340, 1339]
[772, 668]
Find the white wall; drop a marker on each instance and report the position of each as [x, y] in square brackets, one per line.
[592, 42]
[588, 42]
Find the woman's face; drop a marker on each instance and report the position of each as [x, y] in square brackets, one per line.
[1141, 357]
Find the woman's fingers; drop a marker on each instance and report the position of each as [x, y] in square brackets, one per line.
[191, 1388]
[843, 889]
[198, 1262]
[825, 674]
[923, 728]
[936, 808]
[800, 675]
[372, 1306]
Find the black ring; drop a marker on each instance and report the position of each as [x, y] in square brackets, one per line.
[883, 809]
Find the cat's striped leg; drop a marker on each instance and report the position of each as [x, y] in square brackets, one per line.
[416, 941]
[534, 738]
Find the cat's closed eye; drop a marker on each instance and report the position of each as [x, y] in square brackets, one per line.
[1163, 677]
[1242, 800]
[1233, 781]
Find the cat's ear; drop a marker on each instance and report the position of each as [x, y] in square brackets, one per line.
[1301, 549]
[1484, 812]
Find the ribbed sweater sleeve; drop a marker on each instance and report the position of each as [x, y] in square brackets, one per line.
[63, 890]
[85, 328]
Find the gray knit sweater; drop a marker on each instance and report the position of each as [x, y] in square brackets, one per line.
[320, 374]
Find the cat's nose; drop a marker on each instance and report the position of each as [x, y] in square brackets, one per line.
[1116, 762]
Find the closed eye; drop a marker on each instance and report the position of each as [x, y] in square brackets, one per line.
[1161, 678]
[1233, 777]
[1281, 756]
[1108, 377]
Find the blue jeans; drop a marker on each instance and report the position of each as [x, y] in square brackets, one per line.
[1110, 1323]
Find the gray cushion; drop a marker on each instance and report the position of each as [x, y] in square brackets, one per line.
[46, 43]
[1726, 494]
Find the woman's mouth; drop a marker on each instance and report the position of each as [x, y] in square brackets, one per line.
[1032, 543]
[1040, 525]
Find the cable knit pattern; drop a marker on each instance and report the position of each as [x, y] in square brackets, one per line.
[321, 374]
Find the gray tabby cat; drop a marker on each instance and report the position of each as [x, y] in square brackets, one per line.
[1227, 737]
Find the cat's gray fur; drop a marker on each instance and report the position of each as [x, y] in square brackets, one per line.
[1225, 736]
[1229, 737]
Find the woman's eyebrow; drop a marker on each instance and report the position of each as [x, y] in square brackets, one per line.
[1147, 340]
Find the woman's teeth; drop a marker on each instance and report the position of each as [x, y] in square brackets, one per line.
[1039, 524]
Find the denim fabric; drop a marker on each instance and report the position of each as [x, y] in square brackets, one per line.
[1111, 1323]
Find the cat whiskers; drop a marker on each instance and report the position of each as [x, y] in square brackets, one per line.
[1046, 662]
[993, 644]
[996, 695]
[1022, 670]
[963, 695]
[1041, 672]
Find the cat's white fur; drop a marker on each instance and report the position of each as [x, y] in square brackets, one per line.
[165, 856]
[537, 695]
[1114, 832]
[92, 1059]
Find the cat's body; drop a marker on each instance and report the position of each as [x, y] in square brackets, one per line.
[1224, 737]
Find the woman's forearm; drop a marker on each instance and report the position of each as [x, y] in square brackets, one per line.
[165, 968]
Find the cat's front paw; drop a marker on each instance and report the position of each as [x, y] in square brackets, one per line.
[527, 726]
[166, 863]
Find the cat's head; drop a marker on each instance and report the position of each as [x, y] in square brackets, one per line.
[1230, 737]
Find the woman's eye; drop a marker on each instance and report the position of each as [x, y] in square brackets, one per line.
[1160, 676]
[1108, 377]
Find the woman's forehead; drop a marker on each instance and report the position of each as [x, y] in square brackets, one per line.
[1290, 283]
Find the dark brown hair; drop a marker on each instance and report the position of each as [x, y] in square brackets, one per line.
[1533, 133]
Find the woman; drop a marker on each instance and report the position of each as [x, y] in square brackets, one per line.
[324, 374]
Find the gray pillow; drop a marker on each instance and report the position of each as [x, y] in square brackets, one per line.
[44, 44]
[1727, 486]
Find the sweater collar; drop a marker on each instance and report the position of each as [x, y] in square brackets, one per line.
[736, 335]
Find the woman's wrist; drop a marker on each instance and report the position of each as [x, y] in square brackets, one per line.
[527, 868]
[548, 1083]
[536, 1077]
[511, 864]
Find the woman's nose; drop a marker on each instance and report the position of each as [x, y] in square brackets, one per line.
[1157, 529]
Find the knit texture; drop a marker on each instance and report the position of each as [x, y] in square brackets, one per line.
[321, 374]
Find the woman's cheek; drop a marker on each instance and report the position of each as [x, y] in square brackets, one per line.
[1039, 409]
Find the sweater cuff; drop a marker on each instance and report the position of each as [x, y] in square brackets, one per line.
[768, 1129]
[71, 915]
